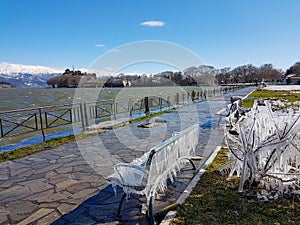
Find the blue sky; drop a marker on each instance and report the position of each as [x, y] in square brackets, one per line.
[62, 33]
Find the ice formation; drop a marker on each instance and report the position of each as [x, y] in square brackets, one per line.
[265, 153]
[149, 174]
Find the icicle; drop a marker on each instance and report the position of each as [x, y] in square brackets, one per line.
[267, 146]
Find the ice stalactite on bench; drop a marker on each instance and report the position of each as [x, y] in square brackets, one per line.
[148, 174]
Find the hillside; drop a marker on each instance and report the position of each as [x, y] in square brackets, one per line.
[26, 76]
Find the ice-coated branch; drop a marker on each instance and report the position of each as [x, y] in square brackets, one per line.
[266, 151]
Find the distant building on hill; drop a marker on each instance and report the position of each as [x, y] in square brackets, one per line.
[5, 85]
[74, 79]
[292, 79]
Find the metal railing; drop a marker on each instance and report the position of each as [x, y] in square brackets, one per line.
[43, 119]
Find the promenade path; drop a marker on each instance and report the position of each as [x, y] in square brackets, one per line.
[67, 185]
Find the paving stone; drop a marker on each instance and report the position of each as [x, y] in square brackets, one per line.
[36, 216]
[65, 160]
[17, 171]
[112, 223]
[84, 193]
[76, 163]
[83, 220]
[41, 195]
[3, 214]
[64, 169]
[100, 184]
[59, 178]
[65, 183]
[14, 193]
[101, 214]
[80, 175]
[49, 196]
[61, 221]
[36, 186]
[76, 201]
[74, 188]
[6, 184]
[47, 168]
[24, 161]
[50, 218]
[36, 176]
[38, 159]
[83, 168]
[65, 208]
[74, 215]
[19, 210]
[4, 176]
[22, 176]
[51, 156]
[52, 205]
[50, 174]
[55, 197]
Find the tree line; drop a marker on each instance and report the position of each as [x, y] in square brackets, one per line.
[192, 76]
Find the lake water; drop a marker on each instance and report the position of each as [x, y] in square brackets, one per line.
[19, 98]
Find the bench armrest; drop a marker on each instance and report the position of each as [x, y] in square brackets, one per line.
[223, 112]
[130, 174]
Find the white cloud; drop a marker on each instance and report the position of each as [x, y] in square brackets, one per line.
[100, 45]
[153, 23]
[114, 50]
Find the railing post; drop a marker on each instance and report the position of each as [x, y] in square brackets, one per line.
[71, 118]
[82, 116]
[146, 101]
[160, 103]
[193, 96]
[130, 107]
[1, 128]
[36, 122]
[96, 110]
[115, 110]
[41, 124]
[85, 115]
[46, 119]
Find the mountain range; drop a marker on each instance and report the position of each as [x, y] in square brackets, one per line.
[26, 76]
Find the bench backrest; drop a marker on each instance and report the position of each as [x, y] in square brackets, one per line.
[166, 158]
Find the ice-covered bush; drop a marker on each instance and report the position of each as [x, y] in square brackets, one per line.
[265, 152]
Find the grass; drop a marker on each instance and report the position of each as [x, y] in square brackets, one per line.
[290, 96]
[29, 150]
[215, 200]
[55, 142]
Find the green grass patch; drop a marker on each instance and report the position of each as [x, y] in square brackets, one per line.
[215, 200]
[291, 96]
[29, 150]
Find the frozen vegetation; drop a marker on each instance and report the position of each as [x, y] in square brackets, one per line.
[265, 151]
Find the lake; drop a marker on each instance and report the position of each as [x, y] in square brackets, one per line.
[19, 98]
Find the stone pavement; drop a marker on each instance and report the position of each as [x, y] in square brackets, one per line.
[67, 185]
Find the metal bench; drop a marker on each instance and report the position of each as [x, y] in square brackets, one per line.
[148, 174]
[231, 112]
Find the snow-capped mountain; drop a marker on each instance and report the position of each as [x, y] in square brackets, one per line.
[26, 76]
[11, 69]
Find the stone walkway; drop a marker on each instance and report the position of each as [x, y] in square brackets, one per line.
[67, 185]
